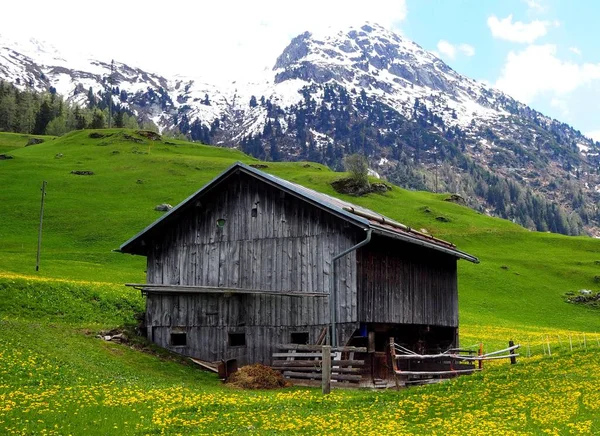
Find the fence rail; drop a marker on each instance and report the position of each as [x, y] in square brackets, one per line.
[319, 363]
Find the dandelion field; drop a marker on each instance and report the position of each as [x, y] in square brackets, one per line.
[57, 378]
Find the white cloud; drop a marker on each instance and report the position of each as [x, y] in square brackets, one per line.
[575, 50]
[535, 5]
[467, 50]
[450, 51]
[537, 70]
[518, 31]
[446, 49]
[190, 37]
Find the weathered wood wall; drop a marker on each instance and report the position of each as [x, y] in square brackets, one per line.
[208, 319]
[270, 241]
[407, 284]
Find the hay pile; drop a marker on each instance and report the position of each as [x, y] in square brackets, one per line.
[257, 376]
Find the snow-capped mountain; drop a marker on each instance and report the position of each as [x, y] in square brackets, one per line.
[364, 89]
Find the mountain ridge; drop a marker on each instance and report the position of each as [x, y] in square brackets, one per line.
[365, 90]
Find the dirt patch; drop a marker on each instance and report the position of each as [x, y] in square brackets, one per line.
[34, 141]
[352, 187]
[133, 139]
[98, 135]
[148, 134]
[82, 173]
[259, 166]
[257, 376]
[455, 198]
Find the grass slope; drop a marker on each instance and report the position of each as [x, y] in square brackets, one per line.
[88, 216]
[57, 378]
[13, 141]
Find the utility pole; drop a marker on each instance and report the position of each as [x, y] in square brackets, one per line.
[39, 247]
[436, 167]
[110, 81]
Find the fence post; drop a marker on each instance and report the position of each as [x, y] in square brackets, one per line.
[480, 353]
[513, 359]
[326, 370]
[570, 342]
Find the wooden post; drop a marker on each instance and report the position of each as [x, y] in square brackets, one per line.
[39, 247]
[392, 345]
[480, 353]
[371, 342]
[548, 341]
[513, 359]
[571, 342]
[326, 370]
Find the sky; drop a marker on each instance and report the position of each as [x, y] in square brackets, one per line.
[544, 53]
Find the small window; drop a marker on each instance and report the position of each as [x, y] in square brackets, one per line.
[178, 339]
[299, 338]
[237, 339]
[254, 212]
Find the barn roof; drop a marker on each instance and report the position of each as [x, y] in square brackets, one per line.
[357, 215]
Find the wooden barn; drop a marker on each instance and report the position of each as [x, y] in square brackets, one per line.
[251, 261]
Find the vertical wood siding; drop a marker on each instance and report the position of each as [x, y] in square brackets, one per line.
[406, 284]
[270, 241]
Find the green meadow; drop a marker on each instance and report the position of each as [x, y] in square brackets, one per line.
[56, 377]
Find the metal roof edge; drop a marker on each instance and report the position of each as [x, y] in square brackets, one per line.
[410, 239]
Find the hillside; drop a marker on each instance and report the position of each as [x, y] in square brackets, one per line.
[56, 377]
[364, 89]
[520, 280]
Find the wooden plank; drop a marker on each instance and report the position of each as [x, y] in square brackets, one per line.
[160, 288]
[275, 355]
[317, 368]
[312, 362]
[345, 377]
[308, 347]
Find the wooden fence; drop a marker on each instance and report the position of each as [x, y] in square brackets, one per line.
[319, 364]
[450, 363]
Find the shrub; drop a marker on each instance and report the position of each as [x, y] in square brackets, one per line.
[358, 167]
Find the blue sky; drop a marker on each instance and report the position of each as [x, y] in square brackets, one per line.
[545, 53]
[551, 61]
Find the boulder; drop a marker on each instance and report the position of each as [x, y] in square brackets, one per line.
[165, 207]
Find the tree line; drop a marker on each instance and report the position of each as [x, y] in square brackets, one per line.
[47, 113]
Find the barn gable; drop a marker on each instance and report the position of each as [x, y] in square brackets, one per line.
[353, 214]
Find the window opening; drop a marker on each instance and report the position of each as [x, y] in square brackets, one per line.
[237, 339]
[299, 338]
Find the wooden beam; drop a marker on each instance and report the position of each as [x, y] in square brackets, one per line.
[305, 347]
[180, 289]
[346, 377]
[317, 369]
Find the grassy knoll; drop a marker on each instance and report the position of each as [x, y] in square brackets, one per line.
[57, 378]
[13, 141]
